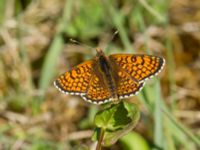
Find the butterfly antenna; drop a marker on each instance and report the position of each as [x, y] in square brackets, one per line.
[79, 43]
[112, 38]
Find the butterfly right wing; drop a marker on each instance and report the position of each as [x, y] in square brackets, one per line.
[139, 67]
[125, 85]
[75, 81]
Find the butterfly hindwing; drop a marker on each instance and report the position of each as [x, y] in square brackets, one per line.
[126, 86]
[97, 91]
[140, 67]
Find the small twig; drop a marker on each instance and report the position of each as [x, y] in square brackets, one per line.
[100, 139]
[193, 115]
[14, 117]
[80, 135]
[23, 119]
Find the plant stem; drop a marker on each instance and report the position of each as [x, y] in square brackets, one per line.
[100, 139]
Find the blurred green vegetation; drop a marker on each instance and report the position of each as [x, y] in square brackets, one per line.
[35, 47]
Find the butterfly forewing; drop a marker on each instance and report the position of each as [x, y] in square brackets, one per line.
[140, 67]
[76, 80]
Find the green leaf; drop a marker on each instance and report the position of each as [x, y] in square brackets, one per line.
[112, 118]
[134, 141]
[116, 121]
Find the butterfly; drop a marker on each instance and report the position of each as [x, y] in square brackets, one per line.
[105, 79]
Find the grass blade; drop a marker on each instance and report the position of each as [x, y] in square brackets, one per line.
[48, 69]
[158, 130]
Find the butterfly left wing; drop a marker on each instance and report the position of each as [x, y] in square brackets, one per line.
[139, 67]
[75, 81]
[97, 91]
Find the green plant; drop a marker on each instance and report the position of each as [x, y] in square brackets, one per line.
[114, 122]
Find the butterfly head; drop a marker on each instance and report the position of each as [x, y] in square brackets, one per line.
[99, 52]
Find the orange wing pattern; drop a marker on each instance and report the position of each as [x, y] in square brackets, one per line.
[140, 67]
[127, 71]
[126, 86]
[98, 91]
[75, 81]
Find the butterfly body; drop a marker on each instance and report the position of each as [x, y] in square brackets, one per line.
[107, 71]
[111, 78]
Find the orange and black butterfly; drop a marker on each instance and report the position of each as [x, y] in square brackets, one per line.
[104, 79]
